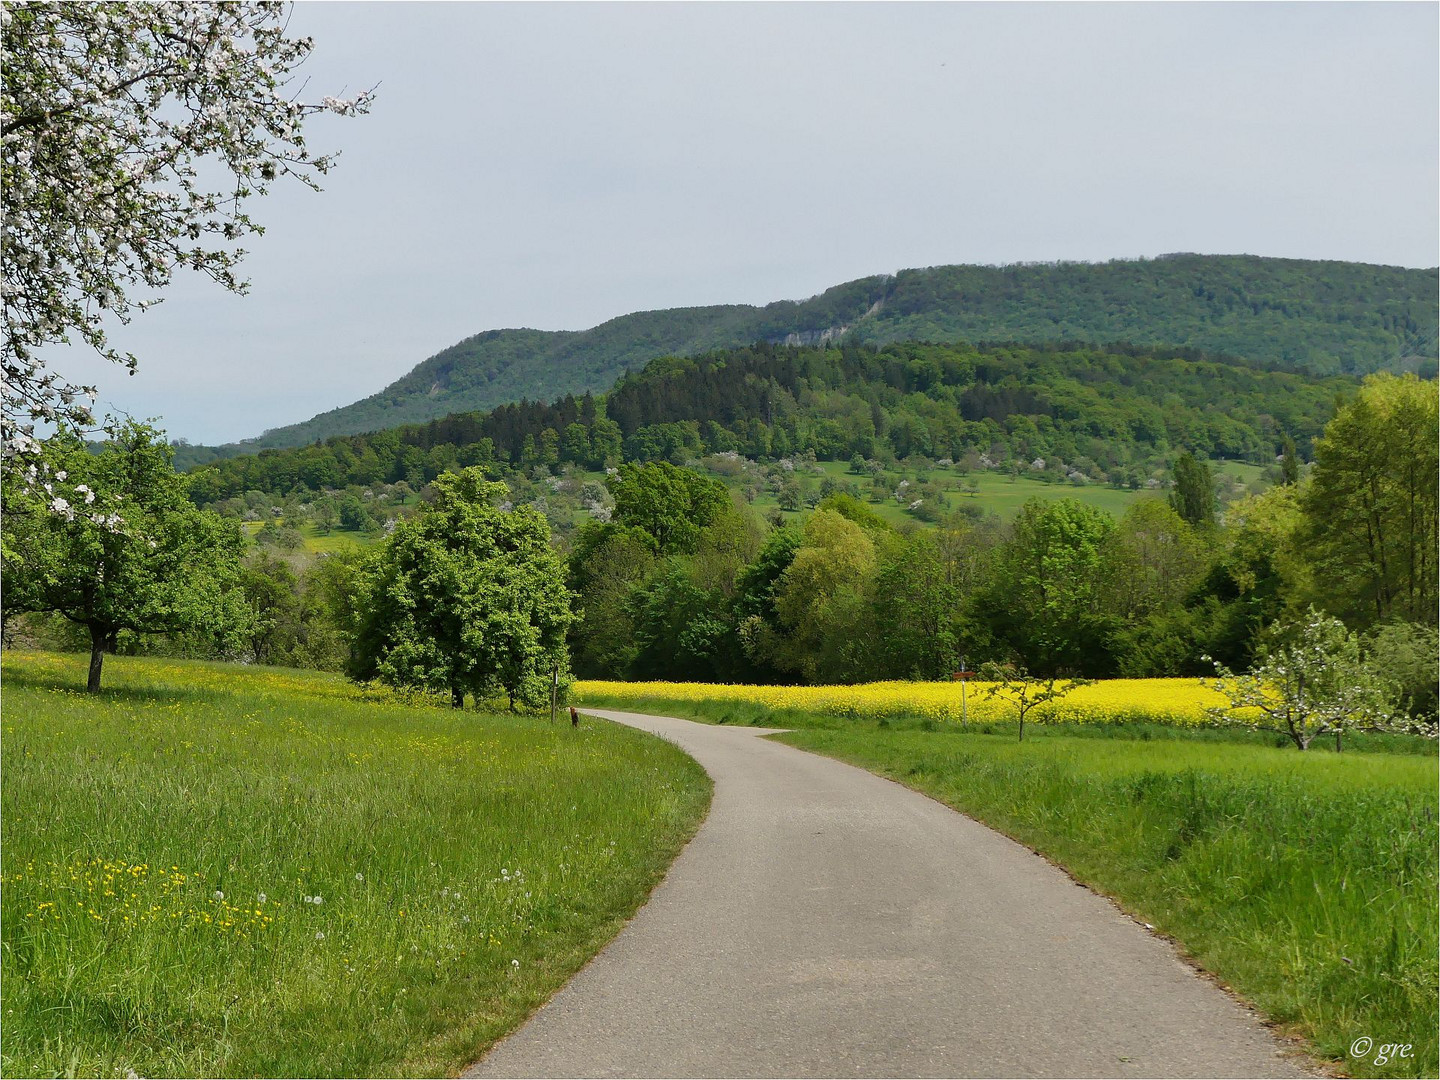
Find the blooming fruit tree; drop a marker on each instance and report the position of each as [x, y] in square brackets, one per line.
[132, 136]
[1311, 682]
[132, 553]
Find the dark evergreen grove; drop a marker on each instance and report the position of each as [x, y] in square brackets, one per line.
[1117, 408]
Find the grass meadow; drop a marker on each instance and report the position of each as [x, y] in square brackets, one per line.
[1307, 882]
[217, 870]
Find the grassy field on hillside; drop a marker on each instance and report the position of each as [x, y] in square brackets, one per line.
[217, 870]
[1306, 881]
[317, 541]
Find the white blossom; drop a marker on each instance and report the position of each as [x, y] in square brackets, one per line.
[109, 115]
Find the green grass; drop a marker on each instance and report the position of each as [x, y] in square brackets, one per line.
[1306, 882]
[997, 493]
[160, 840]
[316, 541]
[1241, 470]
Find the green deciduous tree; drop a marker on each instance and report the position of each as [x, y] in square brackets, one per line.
[822, 597]
[1193, 496]
[1045, 596]
[670, 504]
[1152, 560]
[465, 598]
[132, 553]
[1371, 504]
[608, 563]
[914, 605]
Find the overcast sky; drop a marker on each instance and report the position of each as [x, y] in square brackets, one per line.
[555, 165]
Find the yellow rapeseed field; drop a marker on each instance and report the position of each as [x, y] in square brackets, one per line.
[1167, 701]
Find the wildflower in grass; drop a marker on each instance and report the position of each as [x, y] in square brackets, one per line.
[261, 898]
[359, 877]
[514, 963]
[319, 935]
[219, 895]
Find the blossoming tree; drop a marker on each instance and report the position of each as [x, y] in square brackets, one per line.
[1313, 681]
[132, 136]
[131, 553]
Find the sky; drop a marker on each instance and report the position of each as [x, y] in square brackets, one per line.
[557, 165]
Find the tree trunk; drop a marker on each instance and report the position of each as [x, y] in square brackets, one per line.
[1337, 740]
[1022, 728]
[457, 698]
[98, 639]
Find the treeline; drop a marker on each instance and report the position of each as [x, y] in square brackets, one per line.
[1111, 414]
[682, 584]
[673, 576]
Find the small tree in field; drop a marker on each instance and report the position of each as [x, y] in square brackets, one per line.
[132, 553]
[1311, 681]
[1012, 683]
[465, 598]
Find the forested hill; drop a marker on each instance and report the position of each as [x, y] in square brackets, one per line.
[1318, 317]
[1078, 412]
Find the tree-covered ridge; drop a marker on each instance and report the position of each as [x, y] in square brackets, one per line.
[1321, 317]
[1106, 414]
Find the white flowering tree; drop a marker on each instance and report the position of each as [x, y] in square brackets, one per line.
[131, 553]
[1312, 681]
[132, 136]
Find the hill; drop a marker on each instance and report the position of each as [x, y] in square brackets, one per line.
[1318, 317]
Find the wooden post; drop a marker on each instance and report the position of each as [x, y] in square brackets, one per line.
[961, 676]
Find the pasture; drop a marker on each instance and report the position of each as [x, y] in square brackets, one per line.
[210, 869]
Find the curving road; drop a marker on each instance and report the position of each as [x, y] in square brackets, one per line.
[826, 922]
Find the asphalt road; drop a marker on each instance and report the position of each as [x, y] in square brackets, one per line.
[826, 922]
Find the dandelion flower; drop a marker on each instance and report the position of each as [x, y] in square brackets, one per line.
[261, 898]
[219, 895]
[514, 963]
[359, 877]
[319, 935]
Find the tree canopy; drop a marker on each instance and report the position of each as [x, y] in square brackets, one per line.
[132, 554]
[467, 598]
